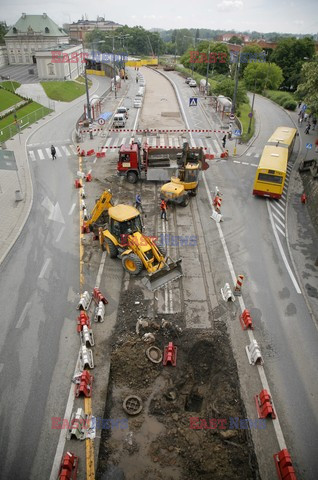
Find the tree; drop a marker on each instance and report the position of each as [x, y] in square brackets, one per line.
[3, 30]
[236, 40]
[289, 56]
[218, 61]
[249, 51]
[226, 88]
[259, 76]
[308, 88]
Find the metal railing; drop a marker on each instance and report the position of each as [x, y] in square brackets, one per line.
[18, 125]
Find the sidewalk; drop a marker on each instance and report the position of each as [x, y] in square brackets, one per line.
[14, 214]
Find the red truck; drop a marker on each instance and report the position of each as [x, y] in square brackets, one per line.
[151, 163]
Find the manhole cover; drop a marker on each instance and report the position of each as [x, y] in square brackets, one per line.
[132, 405]
[154, 354]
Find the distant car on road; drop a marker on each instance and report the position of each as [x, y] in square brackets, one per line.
[192, 83]
[137, 102]
[188, 80]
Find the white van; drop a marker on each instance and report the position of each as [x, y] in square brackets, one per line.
[119, 120]
[140, 92]
[123, 110]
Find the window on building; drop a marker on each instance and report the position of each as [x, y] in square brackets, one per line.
[20, 59]
[14, 30]
[47, 30]
[27, 58]
[12, 59]
[26, 50]
[50, 67]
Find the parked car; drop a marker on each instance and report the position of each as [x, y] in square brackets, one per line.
[137, 102]
[192, 83]
[123, 110]
[188, 80]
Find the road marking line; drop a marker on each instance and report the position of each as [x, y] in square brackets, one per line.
[23, 314]
[278, 220]
[281, 231]
[254, 165]
[115, 143]
[283, 196]
[249, 154]
[123, 140]
[58, 153]
[245, 163]
[73, 149]
[48, 151]
[108, 141]
[277, 204]
[257, 155]
[170, 139]
[292, 277]
[95, 160]
[236, 161]
[32, 156]
[72, 209]
[46, 264]
[41, 154]
[65, 150]
[60, 234]
[277, 211]
[282, 201]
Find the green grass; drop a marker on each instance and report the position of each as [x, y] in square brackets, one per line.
[284, 99]
[243, 110]
[12, 86]
[82, 80]
[22, 112]
[7, 99]
[63, 91]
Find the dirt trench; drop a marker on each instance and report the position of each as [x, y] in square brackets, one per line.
[163, 441]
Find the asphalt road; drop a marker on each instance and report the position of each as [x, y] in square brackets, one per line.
[39, 283]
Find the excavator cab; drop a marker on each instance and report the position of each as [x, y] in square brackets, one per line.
[124, 239]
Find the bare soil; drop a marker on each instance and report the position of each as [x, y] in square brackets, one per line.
[159, 443]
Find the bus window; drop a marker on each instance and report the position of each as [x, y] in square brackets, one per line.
[266, 177]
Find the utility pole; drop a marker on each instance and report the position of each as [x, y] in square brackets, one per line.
[251, 113]
[89, 114]
[115, 86]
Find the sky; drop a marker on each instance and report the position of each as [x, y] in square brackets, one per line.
[283, 16]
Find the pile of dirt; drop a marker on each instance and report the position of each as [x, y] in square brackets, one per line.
[164, 441]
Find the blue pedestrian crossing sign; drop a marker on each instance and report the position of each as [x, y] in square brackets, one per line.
[237, 132]
[193, 102]
[309, 146]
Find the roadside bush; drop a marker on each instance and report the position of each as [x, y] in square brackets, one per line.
[290, 105]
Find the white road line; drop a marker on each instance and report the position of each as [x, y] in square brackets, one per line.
[123, 141]
[108, 142]
[253, 165]
[178, 141]
[236, 161]
[280, 231]
[191, 142]
[162, 141]
[245, 163]
[23, 315]
[73, 149]
[293, 279]
[283, 196]
[201, 144]
[249, 154]
[65, 150]
[58, 153]
[100, 270]
[278, 220]
[95, 160]
[257, 155]
[32, 156]
[60, 234]
[115, 143]
[46, 264]
[1, 367]
[72, 209]
[277, 204]
[170, 139]
[48, 151]
[216, 147]
[274, 207]
[282, 201]
[41, 154]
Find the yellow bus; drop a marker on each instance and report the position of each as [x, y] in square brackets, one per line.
[271, 171]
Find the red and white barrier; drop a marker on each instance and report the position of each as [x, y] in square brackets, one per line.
[238, 286]
[154, 130]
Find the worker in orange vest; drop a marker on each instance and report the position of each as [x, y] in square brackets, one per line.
[163, 208]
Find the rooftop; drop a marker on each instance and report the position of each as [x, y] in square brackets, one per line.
[36, 25]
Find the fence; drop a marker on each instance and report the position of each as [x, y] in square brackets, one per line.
[21, 123]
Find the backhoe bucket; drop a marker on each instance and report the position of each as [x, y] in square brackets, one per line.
[159, 279]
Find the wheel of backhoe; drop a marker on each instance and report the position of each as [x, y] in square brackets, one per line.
[132, 264]
[132, 177]
[111, 249]
[162, 250]
[185, 201]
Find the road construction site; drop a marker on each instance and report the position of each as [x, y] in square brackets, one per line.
[189, 312]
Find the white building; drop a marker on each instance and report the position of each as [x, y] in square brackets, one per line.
[65, 62]
[30, 34]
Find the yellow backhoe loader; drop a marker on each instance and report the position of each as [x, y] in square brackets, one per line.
[179, 189]
[124, 239]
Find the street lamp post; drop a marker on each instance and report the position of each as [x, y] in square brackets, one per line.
[252, 108]
[89, 113]
[207, 72]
